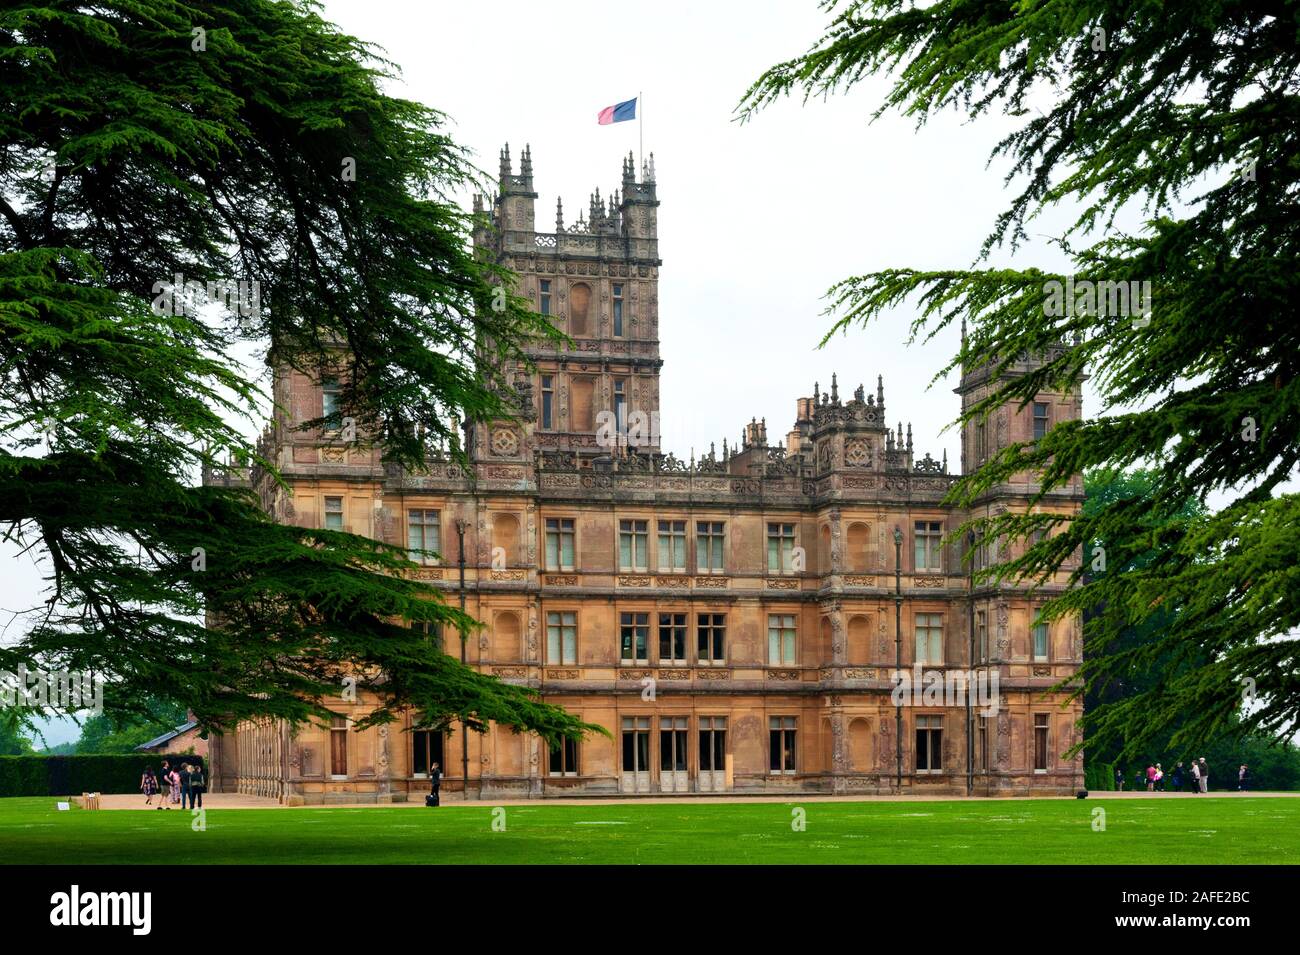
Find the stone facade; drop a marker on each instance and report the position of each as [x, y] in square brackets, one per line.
[731, 620]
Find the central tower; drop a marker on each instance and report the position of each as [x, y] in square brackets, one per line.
[597, 279]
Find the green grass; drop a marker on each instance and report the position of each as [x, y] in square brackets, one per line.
[1164, 831]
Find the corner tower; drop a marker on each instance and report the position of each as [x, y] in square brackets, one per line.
[597, 279]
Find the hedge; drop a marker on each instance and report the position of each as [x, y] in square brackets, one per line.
[1099, 777]
[74, 775]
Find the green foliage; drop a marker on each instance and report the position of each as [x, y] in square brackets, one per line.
[108, 734]
[1189, 111]
[1098, 776]
[135, 150]
[13, 742]
[72, 775]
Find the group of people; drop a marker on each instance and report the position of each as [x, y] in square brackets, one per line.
[1197, 776]
[185, 785]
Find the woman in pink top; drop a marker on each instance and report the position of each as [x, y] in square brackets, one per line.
[1151, 778]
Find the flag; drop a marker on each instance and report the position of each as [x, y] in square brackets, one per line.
[617, 113]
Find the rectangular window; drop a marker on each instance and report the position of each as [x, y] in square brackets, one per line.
[1040, 742]
[422, 533]
[983, 751]
[929, 744]
[672, 547]
[559, 543]
[633, 545]
[672, 638]
[564, 758]
[711, 638]
[548, 402]
[634, 637]
[1040, 641]
[338, 746]
[636, 744]
[929, 639]
[331, 409]
[546, 296]
[618, 311]
[780, 638]
[927, 536]
[430, 631]
[713, 744]
[708, 546]
[334, 513]
[562, 637]
[620, 407]
[981, 635]
[1040, 420]
[780, 548]
[426, 750]
[781, 740]
[672, 744]
[981, 443]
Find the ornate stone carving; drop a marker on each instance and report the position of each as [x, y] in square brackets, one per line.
[505, 442]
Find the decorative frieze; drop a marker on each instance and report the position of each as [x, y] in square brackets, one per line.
[676, 582]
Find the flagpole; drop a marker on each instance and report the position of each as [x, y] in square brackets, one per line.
[640, 128]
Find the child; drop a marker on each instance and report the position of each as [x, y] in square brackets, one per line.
[149, 786]
[174, 781]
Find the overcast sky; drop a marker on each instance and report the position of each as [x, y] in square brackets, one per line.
[755, 222]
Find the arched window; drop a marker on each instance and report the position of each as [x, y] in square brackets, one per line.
[859, 639]
[579, 309]
[859, 538]
[505, 638]
[505, 535]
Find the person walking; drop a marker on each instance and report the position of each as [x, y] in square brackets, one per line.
[1177, 777]
[1205, 775]
[1119, 779]
[198, 783]
[149, 786]
[435, 786]
[1196, 777]
[1160, 778]
[186, 779]
[1151, 778]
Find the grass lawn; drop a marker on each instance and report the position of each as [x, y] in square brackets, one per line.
[1165, 831]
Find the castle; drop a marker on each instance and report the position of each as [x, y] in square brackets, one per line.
[735, 621]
